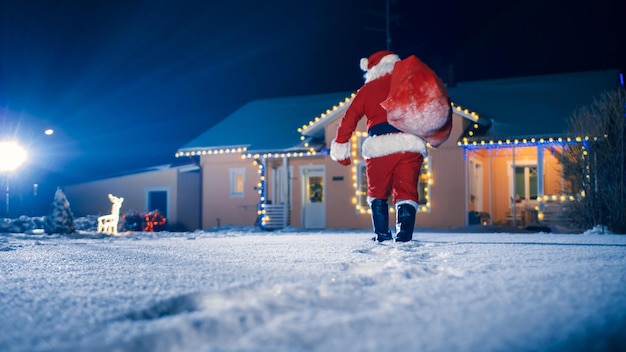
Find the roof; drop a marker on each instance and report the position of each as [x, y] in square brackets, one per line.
[265, 124]
[182, 166]
[532, 106]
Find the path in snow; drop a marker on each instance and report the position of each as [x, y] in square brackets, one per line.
[312, 291]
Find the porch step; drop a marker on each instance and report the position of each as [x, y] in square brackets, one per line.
[553, 215]
[278, 215]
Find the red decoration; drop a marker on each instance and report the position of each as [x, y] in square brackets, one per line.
[152, 219]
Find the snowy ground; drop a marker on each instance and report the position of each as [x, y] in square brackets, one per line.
[247, 290]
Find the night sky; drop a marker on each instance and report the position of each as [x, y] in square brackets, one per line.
[126, 83]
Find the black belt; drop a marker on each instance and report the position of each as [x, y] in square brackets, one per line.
[382, 128]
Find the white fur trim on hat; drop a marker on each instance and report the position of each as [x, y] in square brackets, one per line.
[364, 62]
[386, 144]
[385, 66]
[339, 151]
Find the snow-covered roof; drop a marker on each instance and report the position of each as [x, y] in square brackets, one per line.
[265, 124]
[182, 165]
[532, 106]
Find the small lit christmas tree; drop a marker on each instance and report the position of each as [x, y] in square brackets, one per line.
[61, 219]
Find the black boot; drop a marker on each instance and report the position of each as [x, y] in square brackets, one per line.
[380, 219]
[405, 222]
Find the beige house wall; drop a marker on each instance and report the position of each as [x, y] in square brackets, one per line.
[447, 190]
[218, 207]
[188, 200]
[554, 182]
[341, 211]
[91, 198]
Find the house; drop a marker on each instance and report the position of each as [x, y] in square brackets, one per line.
[511, 168]
[173, 190]
[268, 164]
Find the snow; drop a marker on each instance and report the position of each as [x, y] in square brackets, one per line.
[242, 289]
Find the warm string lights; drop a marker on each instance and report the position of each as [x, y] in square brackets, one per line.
[426, 178]
[153, 219]
[263, 218]
[554, 198]
[457, 109]
[427, 174]
[311, 152]
[208, 151]
[325, 114]
[521, 142]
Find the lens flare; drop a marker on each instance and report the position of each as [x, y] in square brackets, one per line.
[11, 156]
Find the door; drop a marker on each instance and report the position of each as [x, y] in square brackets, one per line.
[526, 182]
[314, 197]
[157, 200]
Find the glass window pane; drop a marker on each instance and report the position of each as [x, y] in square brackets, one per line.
[532, 180]
[520, 185]
[422, 185]
[362, 187]
[316, 189]
[237, 182]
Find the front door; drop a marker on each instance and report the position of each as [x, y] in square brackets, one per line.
[314, 197]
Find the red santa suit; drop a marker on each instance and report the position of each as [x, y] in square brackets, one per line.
[392, 158]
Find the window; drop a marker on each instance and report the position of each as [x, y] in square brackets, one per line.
[423, 186]
[526, 182]
[157, 200]
[237, 182]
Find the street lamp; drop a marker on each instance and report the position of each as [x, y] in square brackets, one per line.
[12, 156]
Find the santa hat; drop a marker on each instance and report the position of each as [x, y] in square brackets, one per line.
[378, 64]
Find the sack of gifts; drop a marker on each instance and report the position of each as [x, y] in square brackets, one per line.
[418, 102]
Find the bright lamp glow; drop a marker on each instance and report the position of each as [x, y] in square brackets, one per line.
[11, 156]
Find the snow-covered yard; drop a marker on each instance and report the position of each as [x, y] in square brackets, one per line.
[247, 290]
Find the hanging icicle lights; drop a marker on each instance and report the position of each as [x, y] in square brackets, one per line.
[521, 142]
[262, 217]
[310, 152]
[459, 110]
[211, 151]
[325, 114]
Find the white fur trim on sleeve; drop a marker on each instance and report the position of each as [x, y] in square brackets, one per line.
[387, 144]
[339, 151]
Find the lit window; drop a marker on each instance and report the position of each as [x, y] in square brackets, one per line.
[237, 181]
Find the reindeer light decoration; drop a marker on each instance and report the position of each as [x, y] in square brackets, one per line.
[108, 223]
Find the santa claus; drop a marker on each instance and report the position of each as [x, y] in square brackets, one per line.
[392, 158]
